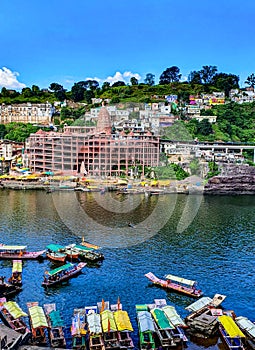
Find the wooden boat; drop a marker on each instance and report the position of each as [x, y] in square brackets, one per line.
[71, 253]
[16, 277]
[78, 329]
[164, 329]
[96, 341]
[231, 333]
[11, 315]
[18, 252]
[177, 284]
[62, 274]
[124, 328]
[54, 254]
[87, 253]
[110, 331]
[248, 328]
[89, 245]
[7, 289]
[203, 319]
[146, 327]
[38, 324]
[56, 324]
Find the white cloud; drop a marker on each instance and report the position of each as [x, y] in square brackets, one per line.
[117, 77]
[8, 79]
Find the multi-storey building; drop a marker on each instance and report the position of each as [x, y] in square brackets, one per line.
[39, 113]
[99, 153]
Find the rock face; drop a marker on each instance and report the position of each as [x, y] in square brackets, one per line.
[233, 180]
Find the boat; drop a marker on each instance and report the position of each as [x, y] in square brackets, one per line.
[96, 341]
[11, 315]
[164, 329]
[78, 329]
[248, 328]
[56, 324]
[54, 254]
[16, 277]
[231, 333]
[18, 252]
[177, 284]
[71, 253]
[146, 327]
[124, 327]
[89, 245]
[87, 253]
[7, 289]
[62, 274]
[38, 324]
[203, 318]
[110, 332]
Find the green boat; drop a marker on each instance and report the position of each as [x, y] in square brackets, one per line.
[146, 327]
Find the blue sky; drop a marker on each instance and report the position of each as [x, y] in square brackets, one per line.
[68, 41]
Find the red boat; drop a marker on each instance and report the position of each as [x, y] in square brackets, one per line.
[18, 252]
[177, 284]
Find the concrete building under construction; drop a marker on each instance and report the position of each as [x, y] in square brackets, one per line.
[97, 153]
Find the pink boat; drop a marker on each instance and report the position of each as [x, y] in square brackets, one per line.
[18, 252]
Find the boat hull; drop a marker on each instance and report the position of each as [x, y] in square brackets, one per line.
[70, 274]
[24, 255]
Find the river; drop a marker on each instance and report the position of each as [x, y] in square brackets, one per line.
[209, 239]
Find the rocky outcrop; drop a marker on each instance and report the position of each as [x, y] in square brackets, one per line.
[233, 180]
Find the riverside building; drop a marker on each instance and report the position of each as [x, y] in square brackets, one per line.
[100, 152]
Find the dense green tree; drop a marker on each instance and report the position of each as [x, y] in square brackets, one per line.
[91, 85]
[250, 81]
[5, 92]
[118, 83]
[195, 77]
[105, 86]
[205, 127]
[59, 91]
[35, 90]
[88, 95]
[170, 75]
[19, 131]
[225, 82]
[149, 79]
[78, 90]
[133, 81]
[2, 131]
[27, 92]
[207, 73]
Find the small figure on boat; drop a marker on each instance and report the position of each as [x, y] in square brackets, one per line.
[131, 225]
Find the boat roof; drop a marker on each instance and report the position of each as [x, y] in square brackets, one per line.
[83, 248]
[122, 321]
[108, 322]
[230, 326]
[180, 280]
[54, 247]
[246, 324]
[173, 316]
[145, 321]
[17, 266]
[141, 307]
[59, 269]
[56, 319]
[161, 319]
[14, 309]
[199, 304]
[94, 323]
[13, 247]
[38, 318]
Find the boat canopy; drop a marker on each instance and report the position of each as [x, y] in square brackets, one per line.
[199, 304]
[181, 280]
[13, 247]
[145, 321]
[161, 319]
[94, 323]
[38, 318]
[54, 247]
[14, 309]
[82, 248]
[122, 321]
[173, 316]
[141, 307]
[247, 325]
[59, 269]
[56, 319]
[108, 323]
[230, 326]
[17, 266]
